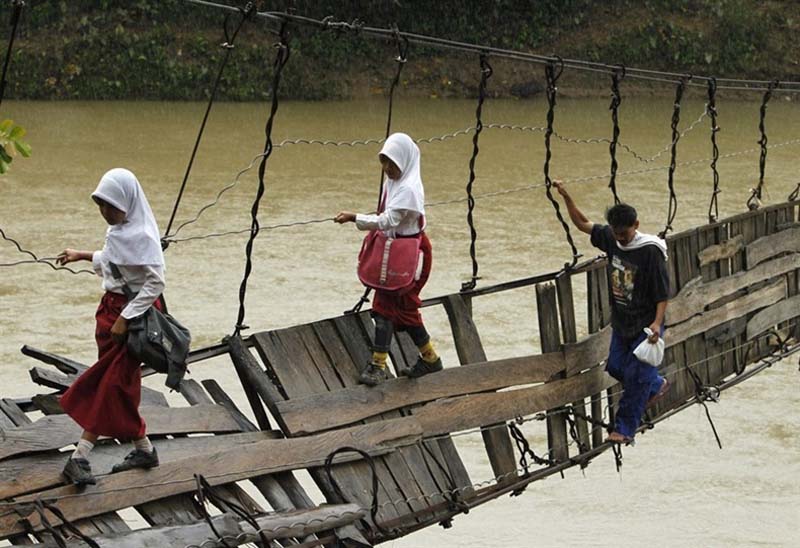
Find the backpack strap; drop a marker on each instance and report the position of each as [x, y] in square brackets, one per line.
[118, 276]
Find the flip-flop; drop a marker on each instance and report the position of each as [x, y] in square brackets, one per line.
[616, 437]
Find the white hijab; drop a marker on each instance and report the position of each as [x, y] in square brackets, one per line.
[136, 240]
[641, 240]
[405, 192]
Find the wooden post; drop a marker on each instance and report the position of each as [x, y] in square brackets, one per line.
[547, 309]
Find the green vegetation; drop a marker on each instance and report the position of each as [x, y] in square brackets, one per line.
[170, 49]
[11, 143]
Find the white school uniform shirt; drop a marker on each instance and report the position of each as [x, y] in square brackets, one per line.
[134, 245]
[404, 198]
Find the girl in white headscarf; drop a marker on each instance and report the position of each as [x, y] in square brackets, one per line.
[402, 213]
[104, 400]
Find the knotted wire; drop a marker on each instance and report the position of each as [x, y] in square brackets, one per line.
[705, 394]
[711, 108]
[281, 57]
[402, 57]
[551, 77]
[227, 46]
[754, 201]
[373, 510]
[203, 491]
[486, 73]
[15, 15]
[672, 209]
[41, 505]
[616, 99]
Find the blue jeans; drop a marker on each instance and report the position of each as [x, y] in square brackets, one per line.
[639, 381]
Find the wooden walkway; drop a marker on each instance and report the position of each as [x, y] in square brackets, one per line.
[736, 303]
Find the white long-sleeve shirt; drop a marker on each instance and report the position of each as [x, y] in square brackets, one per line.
[149, 281]
[393, 222]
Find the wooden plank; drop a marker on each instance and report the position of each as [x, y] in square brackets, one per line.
[783, 310]
[32, 473]
[550, 339]
[197, 533]
[596, 321]
[588, 352]
[709, 235]
[299, 376]
[65, 365]
[569, 330]
[468, 345]
[117, 491]
[785, 241]
[253, 377]
[350, 405]
[466, 412]
[305, 522]
[696, 295]
[59, 381]
[721, 251]
[104, 523]
[749, 303]
[57, 431]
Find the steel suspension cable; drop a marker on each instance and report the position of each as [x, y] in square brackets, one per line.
[754, 202]
[486, 73]
[616, 99]
[672, 208]
[281, 57]
[402, 57]
[227, 46]
[711, 108]
[551, 77]
[358, 27]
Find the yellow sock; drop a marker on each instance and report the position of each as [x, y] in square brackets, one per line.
[379, 359]
[428, 353]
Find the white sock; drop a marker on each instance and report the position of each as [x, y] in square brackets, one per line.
[143, 445]
[82, 450]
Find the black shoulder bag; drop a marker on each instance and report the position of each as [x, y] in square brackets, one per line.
[157, 339]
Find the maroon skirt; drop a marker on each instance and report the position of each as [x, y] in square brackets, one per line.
[403, 310]
[104, 400]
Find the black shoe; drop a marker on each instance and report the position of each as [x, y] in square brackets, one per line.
[372, 375]
[79, 472]
[423, 368]
[137, 459]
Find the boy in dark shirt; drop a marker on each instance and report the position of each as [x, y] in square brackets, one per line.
[639, 289]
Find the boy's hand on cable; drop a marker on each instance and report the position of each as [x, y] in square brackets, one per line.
[345, 217]
[560, 188]
[69, 256]
[119, 330]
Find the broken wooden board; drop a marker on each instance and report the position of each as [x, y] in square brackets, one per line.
[59, 381]
[748, 303]
[32, 473]
[349, 405]
[773, 315]
[587, 352]
[57, 431]
[696, 295]
[718, 252]
[774, 244]
[125, 489]
[466, 412]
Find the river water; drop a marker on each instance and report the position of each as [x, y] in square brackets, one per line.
[676, 487]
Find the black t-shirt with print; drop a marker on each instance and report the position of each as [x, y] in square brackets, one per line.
[637, 281]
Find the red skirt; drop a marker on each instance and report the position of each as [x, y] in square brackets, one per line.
[104, 400]
[403, 310]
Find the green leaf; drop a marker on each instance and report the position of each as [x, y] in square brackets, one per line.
[17, 132]
[23, 148]
[4, 156]
[5, 125]
[3, 167]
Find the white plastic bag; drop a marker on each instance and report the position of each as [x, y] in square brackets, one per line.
[651, 353]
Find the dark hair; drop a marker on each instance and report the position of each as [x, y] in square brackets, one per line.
[621, 216]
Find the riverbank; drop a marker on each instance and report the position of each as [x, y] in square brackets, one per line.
[170, 50]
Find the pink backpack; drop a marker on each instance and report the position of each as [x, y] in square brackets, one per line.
[389, 264]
